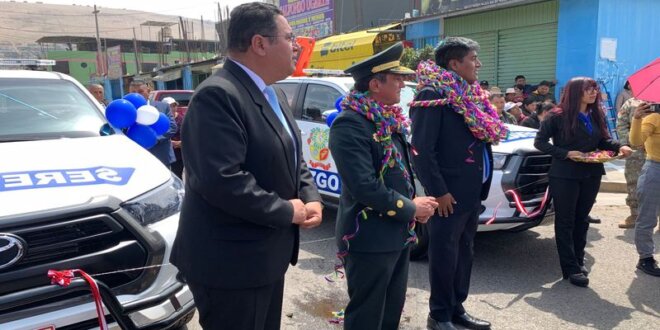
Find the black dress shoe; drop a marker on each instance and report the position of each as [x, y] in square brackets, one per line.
[470, 322]
[579, 279]
[584, 270]
[432, 324]
[593, 220]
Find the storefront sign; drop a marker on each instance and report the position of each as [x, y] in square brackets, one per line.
[309, 18]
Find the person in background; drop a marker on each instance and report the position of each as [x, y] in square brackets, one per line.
[542, 92]
[645, 130]
[510, 94]
[576, 127]
[484, 87]
[177, 166]
[248, 189]
[453, 130]
[513, 108]
[98, 92]
[525, 88]
[377, 257]
[534, 120]
[634, 163]
[529, 106]
[624, 95]
[163, 149]
[497, 100]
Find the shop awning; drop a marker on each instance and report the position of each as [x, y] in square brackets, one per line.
[341, 51]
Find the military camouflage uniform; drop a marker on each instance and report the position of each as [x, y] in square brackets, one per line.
[634, 163]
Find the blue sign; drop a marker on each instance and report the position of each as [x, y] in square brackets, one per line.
[326, 181]
[118, 176]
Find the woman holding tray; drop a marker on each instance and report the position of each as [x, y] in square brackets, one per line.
[577, 127]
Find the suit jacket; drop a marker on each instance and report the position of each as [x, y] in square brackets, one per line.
[563, 167]
[358, 158]
[163, 148]
[449, 158]
[235, 227]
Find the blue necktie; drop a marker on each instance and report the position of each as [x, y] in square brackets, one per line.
[272, 100]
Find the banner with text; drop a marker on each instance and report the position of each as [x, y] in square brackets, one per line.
[114, 62]
[309, 18]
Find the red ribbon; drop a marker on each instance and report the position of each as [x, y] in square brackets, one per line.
[63, 278]
[520, 207]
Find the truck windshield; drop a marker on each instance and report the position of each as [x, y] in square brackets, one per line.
[36, 109]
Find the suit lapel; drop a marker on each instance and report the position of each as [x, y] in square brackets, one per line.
[267, 112]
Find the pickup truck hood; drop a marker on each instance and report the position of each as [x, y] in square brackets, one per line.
[521, 139]
[47, 174]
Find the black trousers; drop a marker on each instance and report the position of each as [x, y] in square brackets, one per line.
[573, 200]
[377, 284]
[241, 309]
[451, 250]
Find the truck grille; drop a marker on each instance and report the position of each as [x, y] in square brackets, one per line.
[531, 181]
[95, 244]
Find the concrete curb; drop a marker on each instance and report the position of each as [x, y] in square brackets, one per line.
[613, 187]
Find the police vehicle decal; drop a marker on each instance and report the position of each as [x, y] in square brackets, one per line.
[65, 178]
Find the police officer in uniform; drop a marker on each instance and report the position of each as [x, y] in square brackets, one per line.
[377, 207]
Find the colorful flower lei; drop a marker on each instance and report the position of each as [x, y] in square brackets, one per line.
[388, 119]
[465, 99]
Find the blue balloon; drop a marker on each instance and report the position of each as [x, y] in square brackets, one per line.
[161, 125]
[142, 135]
[121, 113]
[338, 103]
[135, 98]
[331, 117]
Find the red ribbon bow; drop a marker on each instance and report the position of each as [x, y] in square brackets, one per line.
[63, 278]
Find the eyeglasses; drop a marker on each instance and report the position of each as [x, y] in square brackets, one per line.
[592, 89]
[288, 37]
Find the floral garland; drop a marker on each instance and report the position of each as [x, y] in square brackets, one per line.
[465, 99]
[388, 119]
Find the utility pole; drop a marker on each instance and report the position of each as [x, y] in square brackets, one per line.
[138, 69]
[185, 39]
[100, 68]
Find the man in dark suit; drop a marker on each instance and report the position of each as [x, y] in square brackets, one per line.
[163, 149]
[247, 187]
[453, 142]
[380, 187]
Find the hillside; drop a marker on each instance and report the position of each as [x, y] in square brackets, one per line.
[22, 24]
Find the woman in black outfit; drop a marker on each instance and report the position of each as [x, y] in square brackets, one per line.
[577, 126]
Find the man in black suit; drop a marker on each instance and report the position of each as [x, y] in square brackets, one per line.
[453, 141]
[378, 193]
[163, 149]
[247, 187]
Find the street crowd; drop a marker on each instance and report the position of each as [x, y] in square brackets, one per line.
[248, 190]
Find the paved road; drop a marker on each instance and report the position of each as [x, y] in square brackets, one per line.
[516, 282]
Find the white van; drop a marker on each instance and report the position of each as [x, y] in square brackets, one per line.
[518, 167]
[75, 194]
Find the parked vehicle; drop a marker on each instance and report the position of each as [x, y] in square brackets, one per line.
[182, 97]
[518, 166]
[77, 194]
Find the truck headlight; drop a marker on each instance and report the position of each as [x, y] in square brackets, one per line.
[499, 160]
[157, 204]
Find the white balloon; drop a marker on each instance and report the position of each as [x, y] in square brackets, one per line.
[147, 115]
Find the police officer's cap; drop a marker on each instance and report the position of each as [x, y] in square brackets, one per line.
[387, 61]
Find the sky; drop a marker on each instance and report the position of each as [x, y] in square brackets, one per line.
[186, 8]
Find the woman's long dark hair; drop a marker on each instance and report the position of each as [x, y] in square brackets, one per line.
[569, 106]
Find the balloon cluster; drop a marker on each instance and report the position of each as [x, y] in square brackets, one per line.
[144, 123]
[334, 113]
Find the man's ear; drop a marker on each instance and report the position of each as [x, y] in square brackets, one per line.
[257, 43]
[374, 85]
[452, 64]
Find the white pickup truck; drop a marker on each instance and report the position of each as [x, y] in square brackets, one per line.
[518, 166]
[77, 194]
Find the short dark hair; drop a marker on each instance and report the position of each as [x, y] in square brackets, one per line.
[545, 107]
[495, 95]
[249, 19]
[519, 77]
[483, 82]
[454, 48]
[362, 85]
[545, 83]
[528, 101]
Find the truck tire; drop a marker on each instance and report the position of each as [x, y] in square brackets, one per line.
[419, 250]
